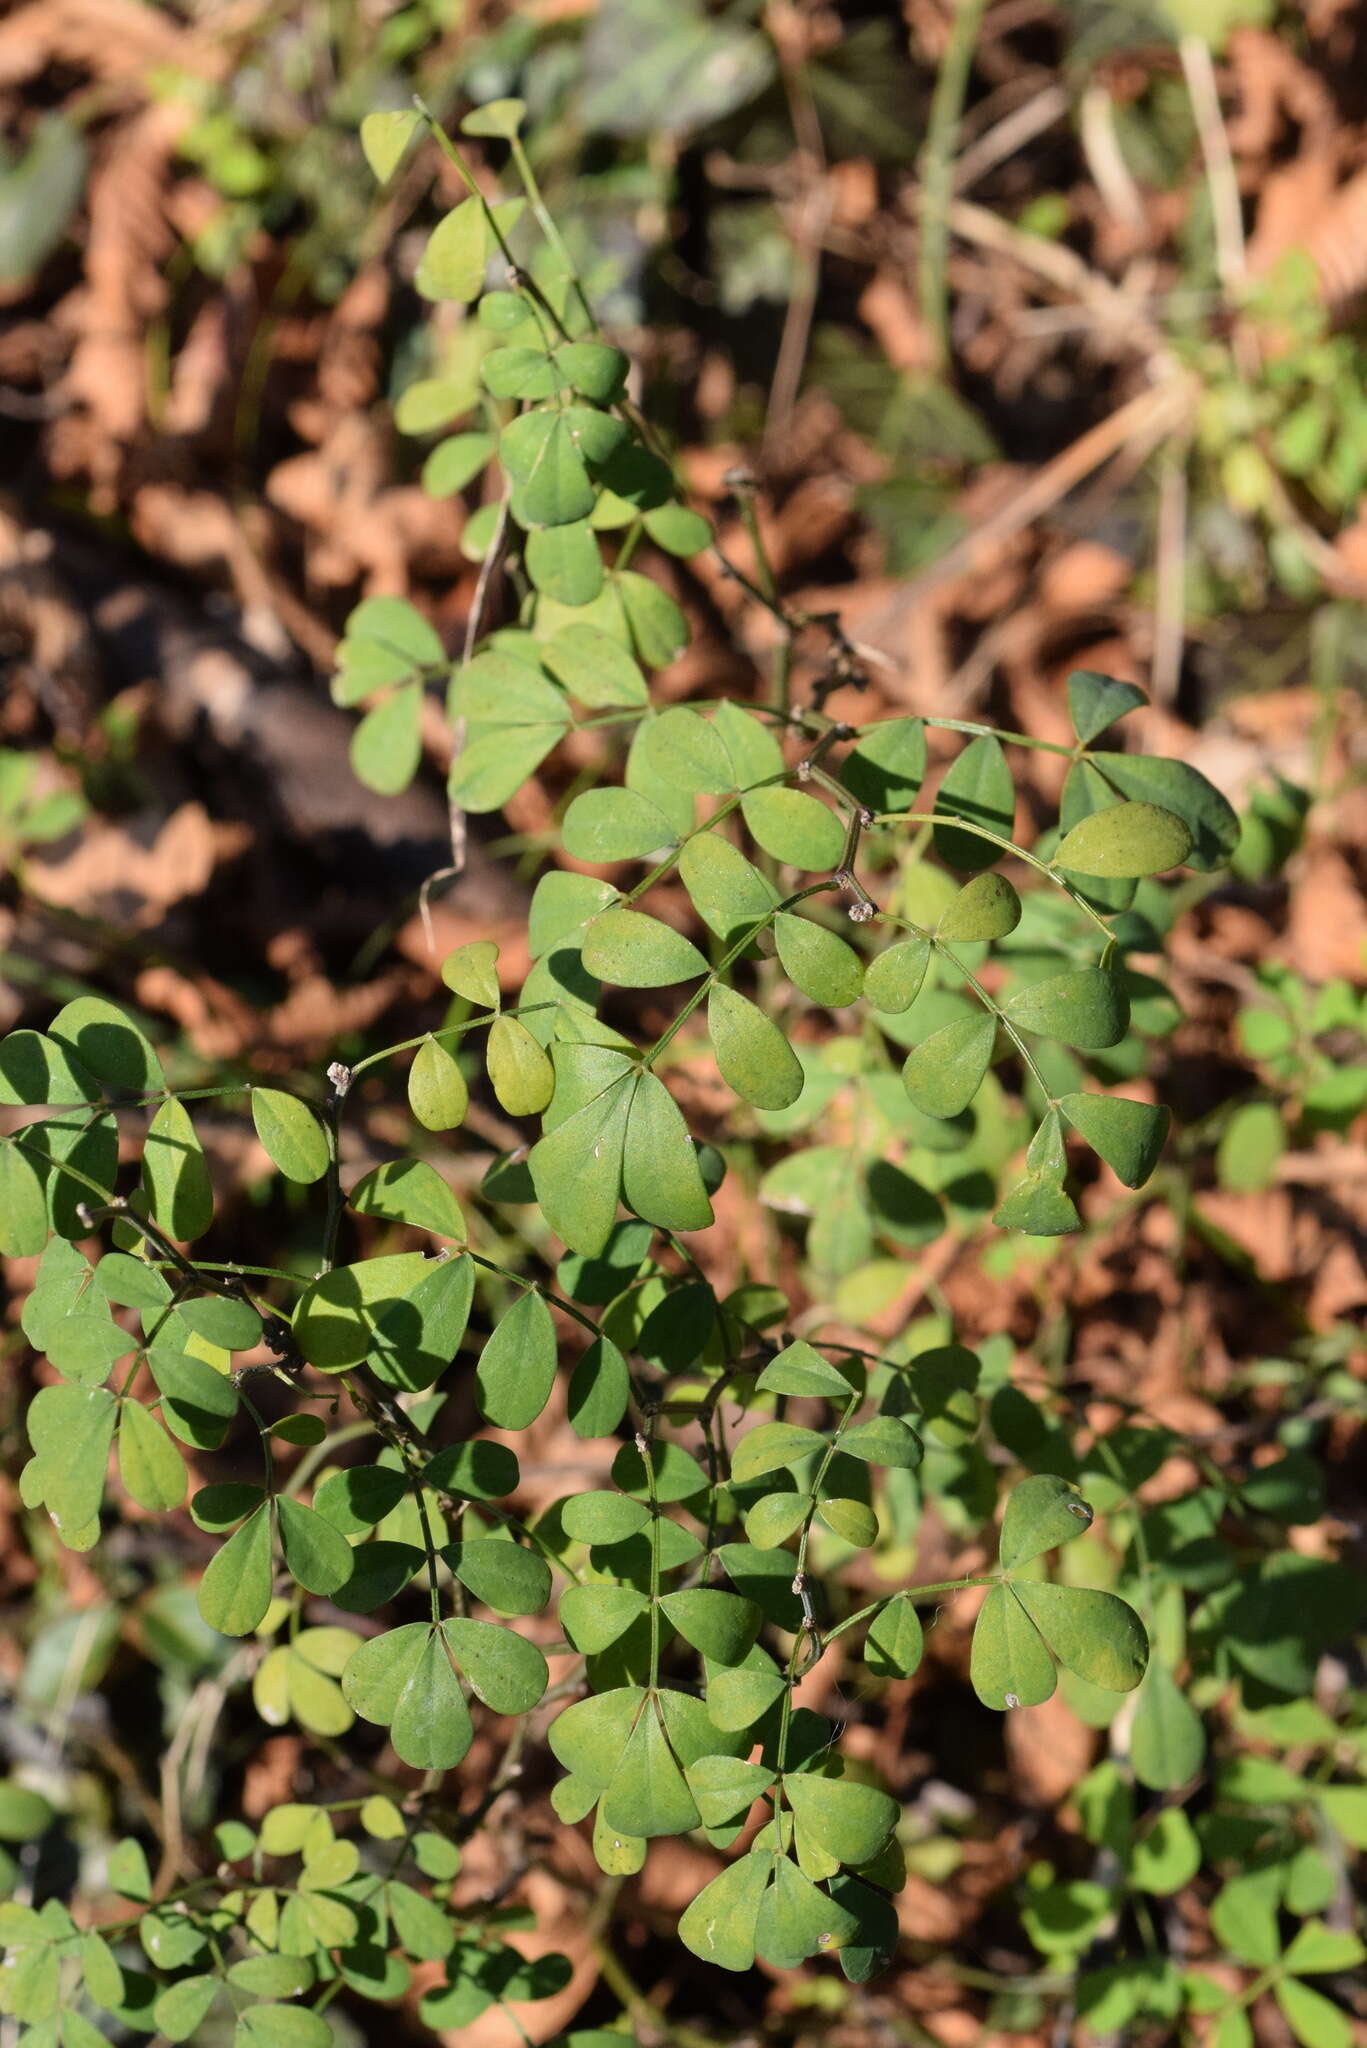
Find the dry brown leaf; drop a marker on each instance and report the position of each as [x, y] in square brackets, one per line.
[110, 874]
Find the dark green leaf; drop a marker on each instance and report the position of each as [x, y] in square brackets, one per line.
[945, 1072]
[754, 1056]
[236, 1588]
[516, 1369]
[985, 908]
[1178, 787]
[978, 789]
[1095, 702]
[1085, 1006]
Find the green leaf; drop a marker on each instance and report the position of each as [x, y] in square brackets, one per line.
[453, 263]
[883, 1440]
[235, 1590]
[23, 1211]
[1312, 2018]
[895, 1642]
[409, 1191]
[978, 789]
[84, 1348]
[386, 746]
[1250, 1145]
[678, 530]
[1009, 1664]
[588, 1738]
[682, 748]
[1086, 1006]
[1084, 793]
[615, 824]
[437, 1092]
[797, 1920]
[852, 1520]
[596, 371]
[725, 1788]
[593, 1616]
[1043, 1512]
[37, 1070]
[775, 1516]
[24, 1815]
[357, 1499]
[754, 1056]
[849, 1820]
[127, 1871]
[985, 908]
[472, 971]
[576, 1167]
[1096, 702]
[416, 1339]
[496, 760]
[1319, 1948]
[1093, 1634]
[737, 1699]
[375, 1675]
[798, 1369]
[893, 981]
[519, 1071]
[794, 827]
[661, 1179]
[182, 2007]
[603, 1517]
[520, 372]
[197, 1403]
[635, 951]
[1039, 1205]
[1243, 1917]
[1177, 787]
[565, 563]
[728, 892]
[316, 1554]
[150, 1466]
[945, 1072]
[1126, 840]
[175, 1174]
[291, 1134]
[1167, 1739]
[721, 1625]
[516, 1369]
[887, 767]
[658, 628]
[600, 1387]
[431, 1727]
[505, 1671]
[648, 1795]
[336, 1315]
[719, 1926]
[594, 668]
[771, 1445]
[1128, 1135]
[71, 1430]
[455, 462]
[498, 119]
[107, 1044]
[544, 453]
[1167, 1858]
[816, 961]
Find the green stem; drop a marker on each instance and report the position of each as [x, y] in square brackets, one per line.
[937, 177]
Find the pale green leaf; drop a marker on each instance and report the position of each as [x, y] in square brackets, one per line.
[291, 1133]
